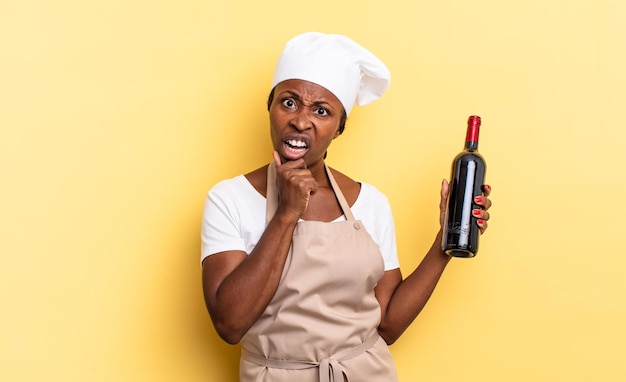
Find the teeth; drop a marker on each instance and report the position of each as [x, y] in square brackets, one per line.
[294, 143]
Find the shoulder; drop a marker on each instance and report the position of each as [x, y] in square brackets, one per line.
[234, 193]
[371, 197]
[258, 179]
[341, 178]
[361, 194]
[233, 199]
[349, 187]
[254, 180]
[226, 186]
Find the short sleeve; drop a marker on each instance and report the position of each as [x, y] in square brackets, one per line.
[221, 222]
[373, 209]
[233, 217]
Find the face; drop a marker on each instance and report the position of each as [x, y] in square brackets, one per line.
[304, 119]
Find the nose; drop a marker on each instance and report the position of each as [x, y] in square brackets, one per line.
[301, 120]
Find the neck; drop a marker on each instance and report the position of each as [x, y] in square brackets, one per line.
[318, 170]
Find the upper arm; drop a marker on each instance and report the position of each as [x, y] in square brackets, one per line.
[215, 269]
[385, 289]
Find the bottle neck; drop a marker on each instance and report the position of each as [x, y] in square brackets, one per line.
[473, 129]
[471, 145]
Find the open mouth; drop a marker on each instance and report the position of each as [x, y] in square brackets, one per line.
[296, 145]
[295, 148]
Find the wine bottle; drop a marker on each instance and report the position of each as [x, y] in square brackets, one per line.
[460, 230]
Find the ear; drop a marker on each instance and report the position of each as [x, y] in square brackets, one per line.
[337, 133]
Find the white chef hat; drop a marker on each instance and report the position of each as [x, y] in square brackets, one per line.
[348, 70]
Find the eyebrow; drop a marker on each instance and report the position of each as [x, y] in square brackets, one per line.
[297, 97]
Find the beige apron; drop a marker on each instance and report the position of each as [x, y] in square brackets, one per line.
[321, 324]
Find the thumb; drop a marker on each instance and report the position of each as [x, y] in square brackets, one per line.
[445, 190]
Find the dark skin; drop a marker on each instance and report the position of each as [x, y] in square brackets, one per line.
[304, 120]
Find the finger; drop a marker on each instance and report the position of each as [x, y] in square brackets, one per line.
[481, 214]
[486, 189]
[483, 201]
[445, 190]
[298, 164]
[277, 161]
[482, 225]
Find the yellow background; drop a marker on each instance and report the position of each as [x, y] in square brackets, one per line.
[116, 118]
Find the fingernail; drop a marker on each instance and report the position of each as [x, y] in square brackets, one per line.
[478, 199]
[480, 221]
[476, 212]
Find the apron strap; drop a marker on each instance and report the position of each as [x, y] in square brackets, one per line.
[330, 369]
[340, 198]
[271, 204]
[272, 194]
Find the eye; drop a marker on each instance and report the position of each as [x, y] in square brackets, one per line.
[321, 111]
[289, 103]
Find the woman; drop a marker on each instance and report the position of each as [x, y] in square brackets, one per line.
[299, 260]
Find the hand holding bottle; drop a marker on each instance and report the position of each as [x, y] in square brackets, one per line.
[481, 213]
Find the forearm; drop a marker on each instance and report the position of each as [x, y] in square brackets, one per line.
[245, 292]
[412, 293]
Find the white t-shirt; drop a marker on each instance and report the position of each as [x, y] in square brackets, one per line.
[234, 219]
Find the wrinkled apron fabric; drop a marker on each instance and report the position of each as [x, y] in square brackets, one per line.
[321, 325]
